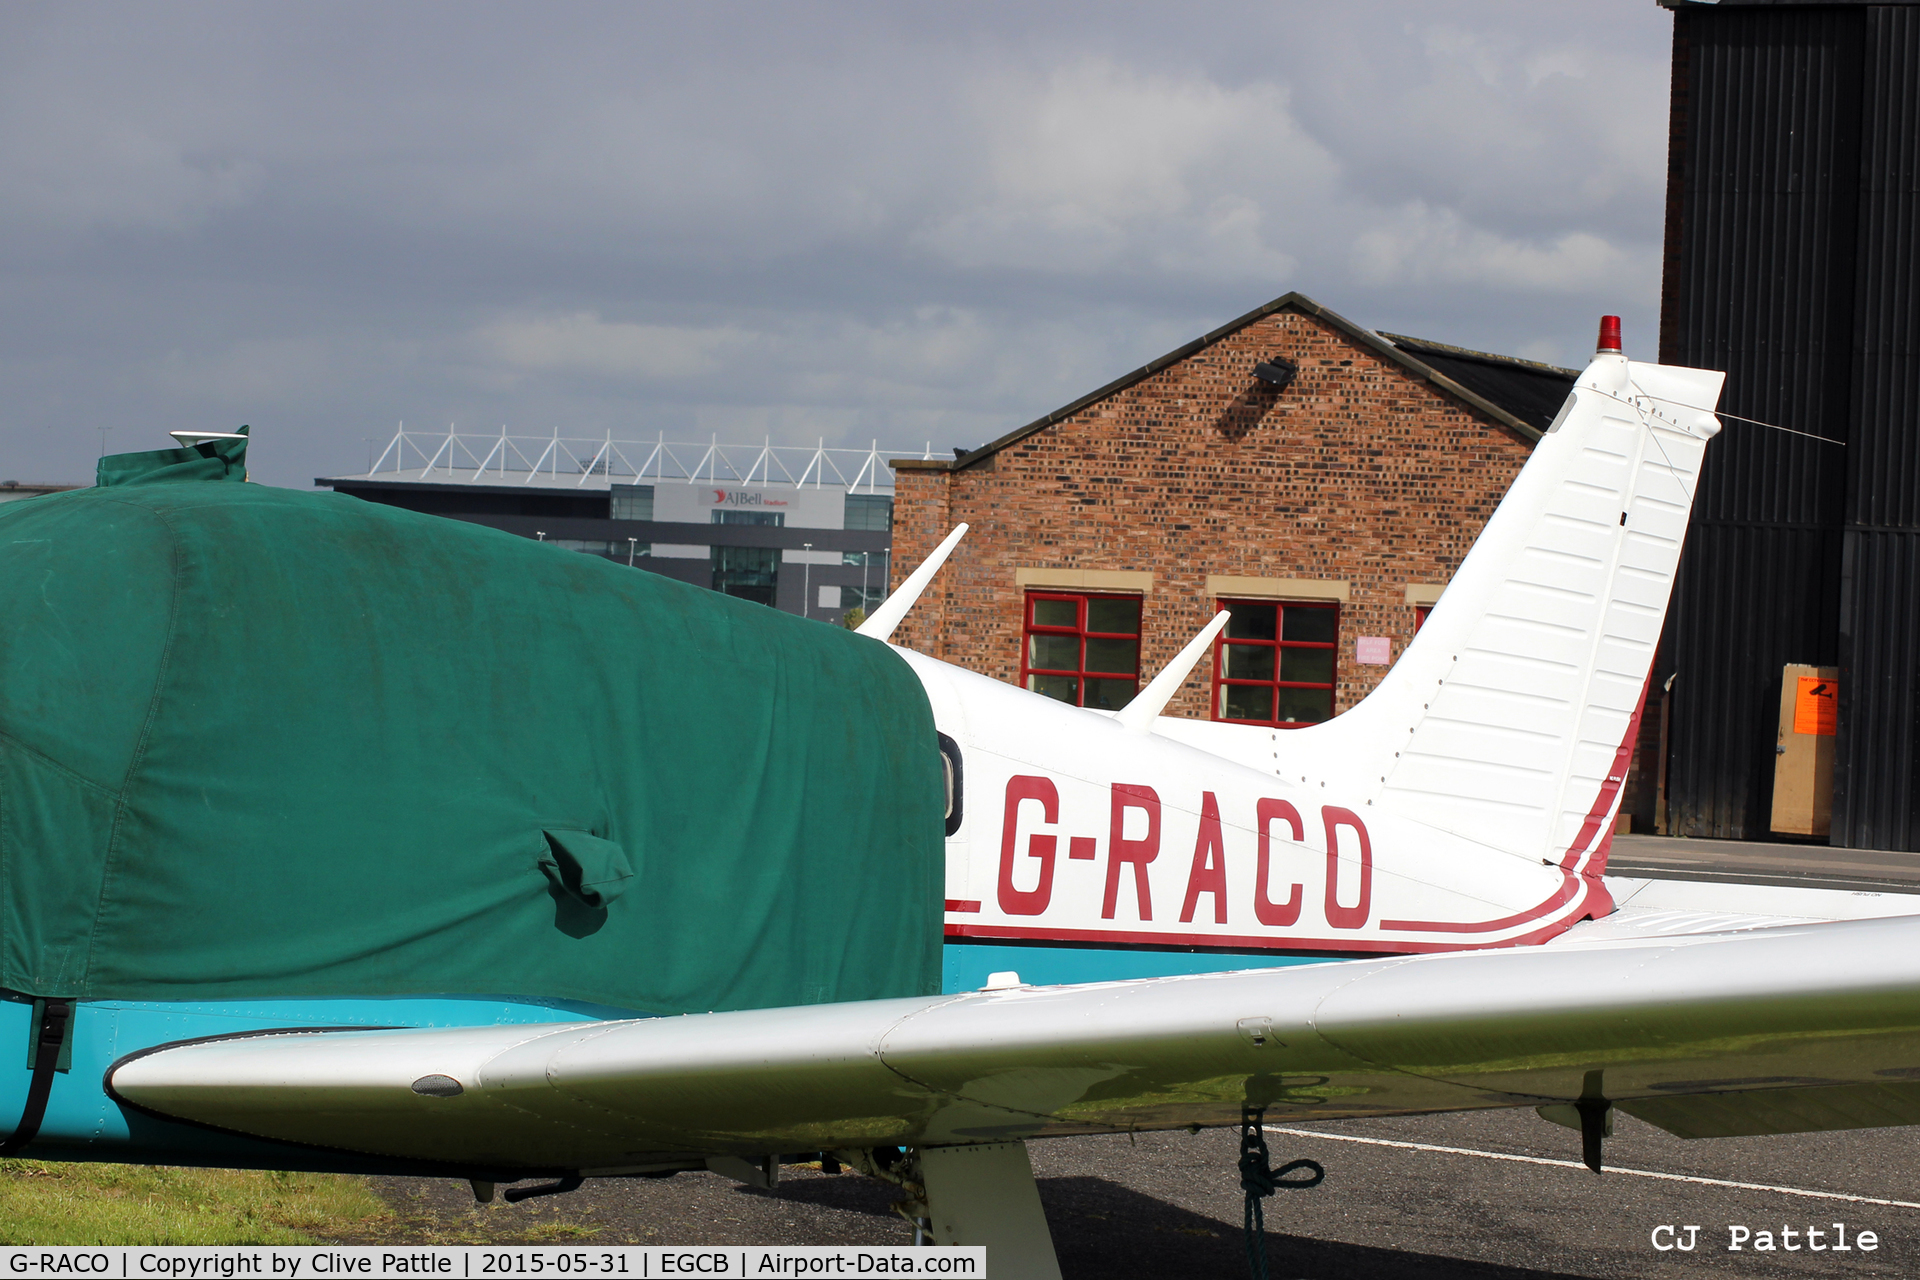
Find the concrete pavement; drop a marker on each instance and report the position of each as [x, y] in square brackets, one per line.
[1812, 866]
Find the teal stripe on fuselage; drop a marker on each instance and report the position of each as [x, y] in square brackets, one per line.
[967, 964]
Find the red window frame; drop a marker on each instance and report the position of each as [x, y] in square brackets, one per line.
[1420, 612]
[1081, 631]
[1279, 645]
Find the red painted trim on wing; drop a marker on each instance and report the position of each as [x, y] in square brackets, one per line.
[967, 906]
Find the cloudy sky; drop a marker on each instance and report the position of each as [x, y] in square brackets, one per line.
[906, 221]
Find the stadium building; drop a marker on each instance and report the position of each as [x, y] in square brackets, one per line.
[806, 530]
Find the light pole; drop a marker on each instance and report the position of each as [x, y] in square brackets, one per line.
[633, 545]
[806, 582]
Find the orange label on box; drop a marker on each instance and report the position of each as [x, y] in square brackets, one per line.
[1816, 707]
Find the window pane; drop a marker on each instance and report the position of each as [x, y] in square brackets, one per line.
[869, 511]
[1310, 624]
[1312, 665]
[631, 502]
[1248, 701]
[1110, 695]
[1306, 706]
[1055, 653]
[1122, 616]
[1248, 661]
[1250, 621]
[1063, 688]
[1056, 613]
[775, 518]
[751, 573]
[1114, 655]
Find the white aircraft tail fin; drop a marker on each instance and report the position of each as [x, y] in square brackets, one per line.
[1508, 719]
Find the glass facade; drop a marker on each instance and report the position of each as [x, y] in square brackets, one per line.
[873, 566]
[872, 511]
[862, 597]
[752, 573]
[631, 502]
[1082, 649]
[772, 519]
[1276, 663]
[623, 550]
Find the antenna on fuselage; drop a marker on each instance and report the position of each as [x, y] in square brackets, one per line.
[1138, 715]
[886, 616]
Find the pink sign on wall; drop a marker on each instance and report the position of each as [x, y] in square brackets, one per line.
[1373, 651]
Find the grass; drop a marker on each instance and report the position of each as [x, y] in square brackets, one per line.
[43, 1203]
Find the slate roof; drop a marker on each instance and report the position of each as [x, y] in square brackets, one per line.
[1504, 378]
[1529, 390]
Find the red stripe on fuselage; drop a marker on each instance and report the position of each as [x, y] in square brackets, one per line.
[1596, 819]
[1237, 942]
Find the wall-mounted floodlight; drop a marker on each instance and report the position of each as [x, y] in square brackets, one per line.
[1276, 373]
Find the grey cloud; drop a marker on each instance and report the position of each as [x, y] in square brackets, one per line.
[900, 221]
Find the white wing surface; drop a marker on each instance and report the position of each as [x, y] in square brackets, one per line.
[1769, 1030]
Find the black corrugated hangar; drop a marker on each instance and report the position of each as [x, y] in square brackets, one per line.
[1793, 263]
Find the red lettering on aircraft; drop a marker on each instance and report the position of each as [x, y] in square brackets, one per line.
[1028, 902]
[1209, 873]
[1121, 850]
[1354, 917]
[1275, 914]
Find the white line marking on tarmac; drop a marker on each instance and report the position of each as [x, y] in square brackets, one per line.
[1575, 1164]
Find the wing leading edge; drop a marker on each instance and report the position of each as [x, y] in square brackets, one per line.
[1770, 1030]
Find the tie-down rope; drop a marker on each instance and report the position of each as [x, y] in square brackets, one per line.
[1259, 1179]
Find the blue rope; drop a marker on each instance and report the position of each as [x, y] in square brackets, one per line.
[1259, 1179]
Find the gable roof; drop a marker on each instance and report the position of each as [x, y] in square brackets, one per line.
[1413, 365]
[1527, 389]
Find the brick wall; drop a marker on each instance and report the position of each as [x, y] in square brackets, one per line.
[1357, 472]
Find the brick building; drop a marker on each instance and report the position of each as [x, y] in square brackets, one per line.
[1321, 479]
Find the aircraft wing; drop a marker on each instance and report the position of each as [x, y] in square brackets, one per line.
[1763, 1031]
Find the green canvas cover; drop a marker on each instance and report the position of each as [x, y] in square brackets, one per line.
[258, 742]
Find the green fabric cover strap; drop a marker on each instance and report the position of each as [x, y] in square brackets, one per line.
[52, 1035]
[594, 870]
[208, 460]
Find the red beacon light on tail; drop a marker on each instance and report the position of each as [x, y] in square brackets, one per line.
[1609, 336]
